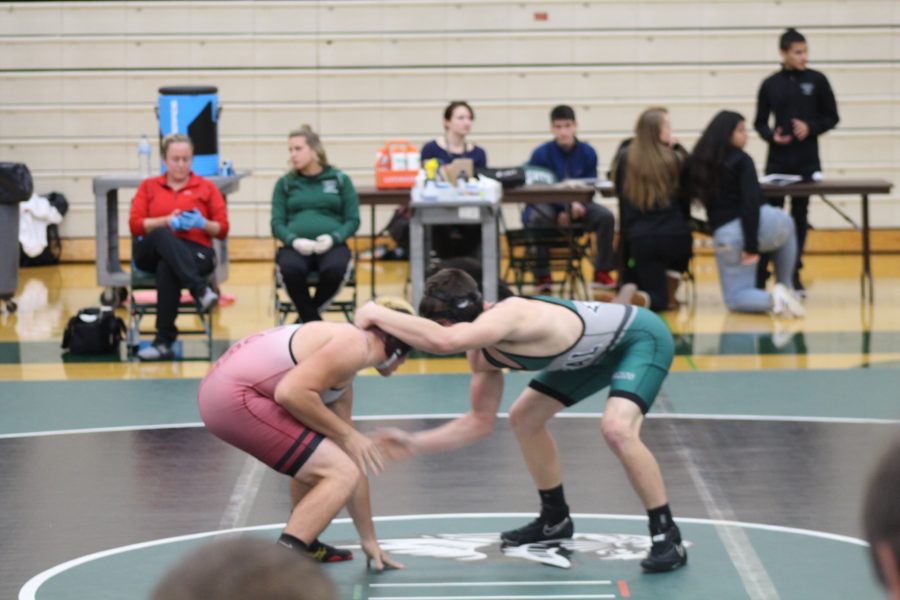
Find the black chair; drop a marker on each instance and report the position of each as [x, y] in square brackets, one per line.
[142, 305]
[561, 250]
[344, 301]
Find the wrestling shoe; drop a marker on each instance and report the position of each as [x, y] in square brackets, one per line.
[667, 552]
[539, 530]
[325, 553]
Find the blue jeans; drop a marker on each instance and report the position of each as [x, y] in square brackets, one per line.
[777, 236]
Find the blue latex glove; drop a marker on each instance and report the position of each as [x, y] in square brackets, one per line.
[178, 223]
[193, 219]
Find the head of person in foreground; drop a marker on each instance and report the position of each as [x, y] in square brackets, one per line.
[245, 567]
[881, 519]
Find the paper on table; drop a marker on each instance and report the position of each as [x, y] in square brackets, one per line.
[780, 179]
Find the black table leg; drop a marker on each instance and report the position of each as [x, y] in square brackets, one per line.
[866, 280]
[372, 250]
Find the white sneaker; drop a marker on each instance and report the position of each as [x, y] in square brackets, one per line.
[785, 302]
[155, 352]
[208, 299]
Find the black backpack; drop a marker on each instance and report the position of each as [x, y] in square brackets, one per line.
[15, 183]
[94, 331]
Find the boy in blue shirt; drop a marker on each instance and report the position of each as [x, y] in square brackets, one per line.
[570, 158]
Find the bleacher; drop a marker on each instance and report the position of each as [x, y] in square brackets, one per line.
[79, 80]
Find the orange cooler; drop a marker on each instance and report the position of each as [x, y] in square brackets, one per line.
[397, 165]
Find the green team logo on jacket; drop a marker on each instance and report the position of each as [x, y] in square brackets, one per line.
[330, 186]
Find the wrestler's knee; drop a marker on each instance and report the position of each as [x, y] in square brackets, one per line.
[524, 422]
[618, 433]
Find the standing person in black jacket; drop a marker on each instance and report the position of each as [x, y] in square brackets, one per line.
[804, 108]
[654, 208]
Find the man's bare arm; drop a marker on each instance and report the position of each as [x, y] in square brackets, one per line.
[488, 329]
[485, 394]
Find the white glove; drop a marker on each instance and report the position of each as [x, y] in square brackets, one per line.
[304, 246]
[323, 243]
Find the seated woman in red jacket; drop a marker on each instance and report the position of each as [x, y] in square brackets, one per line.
[173, 220]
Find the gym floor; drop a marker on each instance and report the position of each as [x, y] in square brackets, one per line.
[765, 431]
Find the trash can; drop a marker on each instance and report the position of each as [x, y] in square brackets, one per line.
[192, 110]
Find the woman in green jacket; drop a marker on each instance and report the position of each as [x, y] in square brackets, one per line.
[314, 210]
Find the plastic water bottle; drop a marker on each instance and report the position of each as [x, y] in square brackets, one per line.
[144, 152]
[227, 169]
[430, 192]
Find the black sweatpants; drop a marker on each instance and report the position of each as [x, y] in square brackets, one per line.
[649, 258]
[295, 269]
[177, 264]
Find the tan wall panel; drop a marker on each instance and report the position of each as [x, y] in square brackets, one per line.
[85, 19]
[279, 17]
[372, 17]
[22, 53]
[436, 85]
[515, 48]
[298, 17]
[23, 19]
[152, 17]
[341, 51]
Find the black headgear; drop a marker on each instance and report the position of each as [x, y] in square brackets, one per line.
[460, 309]
[394, 348]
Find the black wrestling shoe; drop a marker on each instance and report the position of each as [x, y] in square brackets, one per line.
[316, 550]
[539, 530]
[667, 552]
[326, 553]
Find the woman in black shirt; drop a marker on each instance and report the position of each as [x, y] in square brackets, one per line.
[654, 209]
[724, 178]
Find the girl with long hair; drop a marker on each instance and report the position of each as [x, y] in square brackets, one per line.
[654, 208]
[724, 178]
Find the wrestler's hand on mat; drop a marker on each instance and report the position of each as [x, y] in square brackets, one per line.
[376, 558]
[364, 452]
[395, 443]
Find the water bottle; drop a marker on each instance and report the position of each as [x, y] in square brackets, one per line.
[430, 191]
[227, 169]
[144, 157]
[461, 184]
[412, 160]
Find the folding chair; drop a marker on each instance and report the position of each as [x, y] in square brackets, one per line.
[344, 300]
[142, 303]
[565, 249]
